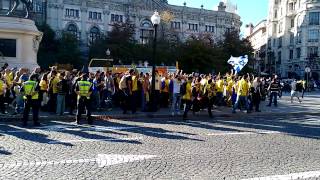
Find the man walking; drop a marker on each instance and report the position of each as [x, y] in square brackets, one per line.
[295, 90]
[274, 89]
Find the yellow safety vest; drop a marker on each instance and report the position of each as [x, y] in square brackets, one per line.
[29, 89]
[84, 87]
[1, 87]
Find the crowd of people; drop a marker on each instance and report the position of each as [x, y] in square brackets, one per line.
[56, 91]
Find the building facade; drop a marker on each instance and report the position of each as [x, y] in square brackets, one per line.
[293, 37]
[257, 35]
[90, 18]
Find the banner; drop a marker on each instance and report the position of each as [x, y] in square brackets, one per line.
[238, 63]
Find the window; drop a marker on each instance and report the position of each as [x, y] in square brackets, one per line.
[279, 58]
[72, 29]
[94, 34]
[116, 18]
[72, 13]
[146, 36]
[292, 23]
[291, 54]
[299, 38]
[193, 27]
[209, 28]
[275, 14]
[314, 18]
[269, 43]
[291, 39]
[90, 15]
[291, 6]
[175, 25]
[280, 42]
[280, 27]
[313, 35]
[298, 52]
[312, 51]
[274, 43]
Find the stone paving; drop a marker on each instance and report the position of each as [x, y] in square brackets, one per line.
[223, 148]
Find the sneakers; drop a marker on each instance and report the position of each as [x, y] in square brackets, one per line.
[172, 114]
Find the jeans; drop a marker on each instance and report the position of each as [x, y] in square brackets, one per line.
[20, 104]
[176, 103]
[84, 103]
[95, 100]
[187, 108]
[61, 104]
[243, 100]
[274, 96]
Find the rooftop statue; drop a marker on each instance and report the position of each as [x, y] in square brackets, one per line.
[16, 3]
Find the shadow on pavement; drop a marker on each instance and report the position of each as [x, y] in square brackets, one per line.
[293, 128]
[4, 152]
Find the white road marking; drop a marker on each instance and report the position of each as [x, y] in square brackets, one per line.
[102, 160]
[108, 160]
[243, 133]
[93, 140]
[293, 176]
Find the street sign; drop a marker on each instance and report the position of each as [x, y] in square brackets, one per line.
[308, 70]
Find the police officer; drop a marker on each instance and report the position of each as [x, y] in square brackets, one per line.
[84, 89]
[30, 89]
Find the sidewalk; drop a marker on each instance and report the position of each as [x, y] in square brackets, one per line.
[310, 105]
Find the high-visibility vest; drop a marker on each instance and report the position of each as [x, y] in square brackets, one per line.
[1, 87]
[29, 89]
[84, 88]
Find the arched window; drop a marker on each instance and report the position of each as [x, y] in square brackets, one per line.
[72, 29]
[94, 34]
[146, 32]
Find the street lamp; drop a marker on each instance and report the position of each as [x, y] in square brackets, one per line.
[155, 19]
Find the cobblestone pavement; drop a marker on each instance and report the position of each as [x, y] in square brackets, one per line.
[200, 148]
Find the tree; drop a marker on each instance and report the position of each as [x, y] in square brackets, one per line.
[48, 47]
[69, 51]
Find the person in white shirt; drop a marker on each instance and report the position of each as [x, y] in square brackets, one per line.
[176, 98]
[294, 92]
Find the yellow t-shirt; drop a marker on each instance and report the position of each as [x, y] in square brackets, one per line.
[230, 85]
[166, 85]
[43, 85]
[188, 94]
[134, 83]
[54, 85]
[8, 79]
[1, 87]
[243, 88]
[219, 86]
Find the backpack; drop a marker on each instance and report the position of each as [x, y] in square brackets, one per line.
[183, 88]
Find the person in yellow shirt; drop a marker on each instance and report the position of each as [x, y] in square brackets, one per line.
[53, 91]
[2, 98]
[243, 91]
[135, 92]
[219, 90]
[187, 97]
[230, 83]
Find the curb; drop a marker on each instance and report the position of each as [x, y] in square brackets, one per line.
[11, 118]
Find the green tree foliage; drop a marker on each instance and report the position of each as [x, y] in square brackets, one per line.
[68, 51]
[48, 47]
[53, 50]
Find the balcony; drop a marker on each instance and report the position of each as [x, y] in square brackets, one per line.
[291, 13]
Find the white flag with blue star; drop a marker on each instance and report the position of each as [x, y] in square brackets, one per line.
[238, 63]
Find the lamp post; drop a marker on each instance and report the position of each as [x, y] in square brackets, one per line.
[155, 19]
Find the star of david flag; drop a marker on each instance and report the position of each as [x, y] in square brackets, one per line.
[238, 63]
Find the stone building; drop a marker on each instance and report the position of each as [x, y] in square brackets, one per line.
[293, 37]
[89, 19]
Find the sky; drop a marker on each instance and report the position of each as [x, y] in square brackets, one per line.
[250, 11]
